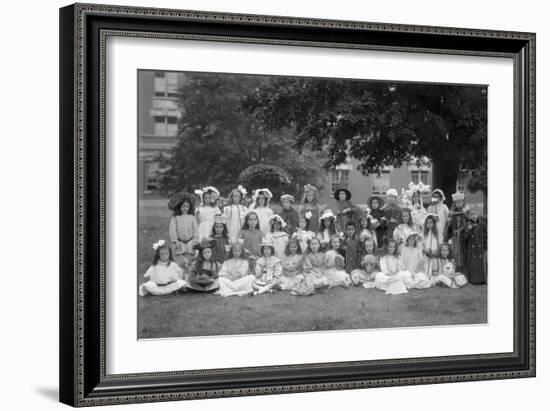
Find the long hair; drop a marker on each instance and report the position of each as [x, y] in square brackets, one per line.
[246, 226]
[450, 256]
[177, 208]
[386, 247]
[364, 249]
[224, 233]
[308, 248]
[200, 259]
[295, 241]
[272, 225]
[156, 257]
[408, 212]
[331, 227]
[434, 228]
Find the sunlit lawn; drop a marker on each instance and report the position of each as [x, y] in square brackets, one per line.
[194, 314]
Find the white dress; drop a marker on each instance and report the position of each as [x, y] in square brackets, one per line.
[393, 278]
[268, 270]
[234, 218]
[292, 272]
[163, 279]
[279, 240]
[402, 232]
[303, 238]
[442, 211]
[264, 214]
[235, 278]
[335, 276]
[205, 218]
[413, 261]
[431, 245]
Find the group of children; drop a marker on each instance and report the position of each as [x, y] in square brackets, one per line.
[395, 244]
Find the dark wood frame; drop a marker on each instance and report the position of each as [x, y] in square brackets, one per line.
[83, 30]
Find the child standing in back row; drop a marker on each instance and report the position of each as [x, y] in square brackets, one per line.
[289, 214]
[207, 210]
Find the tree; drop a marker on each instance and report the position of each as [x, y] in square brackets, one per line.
[218, 138]
[380, 123]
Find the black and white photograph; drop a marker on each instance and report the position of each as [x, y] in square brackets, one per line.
[276, 204]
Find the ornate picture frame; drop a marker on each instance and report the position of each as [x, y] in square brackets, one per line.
[84, 29]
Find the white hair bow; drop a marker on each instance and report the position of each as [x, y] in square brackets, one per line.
[158, 244]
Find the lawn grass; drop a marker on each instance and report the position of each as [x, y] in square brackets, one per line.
[197, 314]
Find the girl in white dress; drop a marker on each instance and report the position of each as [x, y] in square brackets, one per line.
[414, 261]
[392, 278]
[235, 212]
[207, 210]
[335, 264]
[268, 270]
[292, 265]
[405, 229]
[260, 205]
[327, 229]
[446, 274]
[277, 236]
[302, 234]
[440, 209]
[164, 276]
[431, 243]
[234, 277]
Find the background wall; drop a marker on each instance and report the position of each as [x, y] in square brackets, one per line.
[29, 205]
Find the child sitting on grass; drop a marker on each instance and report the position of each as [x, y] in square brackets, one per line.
[292, 265]
[392, 278]
[268, 270]
[446, 274]
[164, 276]
[335, 265]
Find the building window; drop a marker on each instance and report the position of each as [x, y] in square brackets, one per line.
[381, 183]
[152, 176]
[418, 176]
[462, 181]
[338, 179]
[166, 84]
[166, 126]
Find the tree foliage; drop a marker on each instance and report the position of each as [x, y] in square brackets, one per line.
[219, 139]
[380, 123]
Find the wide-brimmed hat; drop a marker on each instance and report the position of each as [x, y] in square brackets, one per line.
[278, 218]
[179, 198]
[327, 214]
[369, 258]
[267, 243]
[208, 189]
[392, 192]
[264, 191]
[440, 192]
[339, 190]
[380, 199]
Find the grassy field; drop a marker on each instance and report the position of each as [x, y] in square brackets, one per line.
[195, 314]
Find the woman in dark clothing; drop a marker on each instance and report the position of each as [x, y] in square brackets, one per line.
[474, 238]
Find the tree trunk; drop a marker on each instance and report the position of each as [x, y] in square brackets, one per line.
[445, 176]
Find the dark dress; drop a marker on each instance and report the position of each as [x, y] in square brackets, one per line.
[337, 207]
[454, 231]
[352, 247]
[204, 279]
[380, 215]
[219, 254]
[475, 248]
[392, 211]
[290, 217]
[313, 222]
